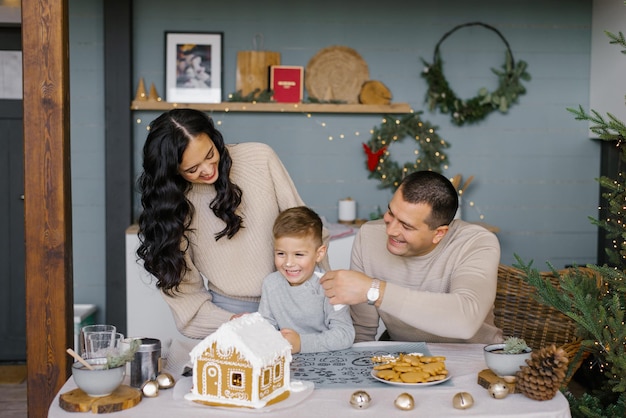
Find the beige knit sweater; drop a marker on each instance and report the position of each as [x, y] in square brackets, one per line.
[446, 295]
[233, 267]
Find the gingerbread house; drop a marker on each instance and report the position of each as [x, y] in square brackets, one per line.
[244, 363]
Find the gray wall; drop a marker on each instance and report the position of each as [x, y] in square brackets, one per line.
[535, 167]
[87, 151]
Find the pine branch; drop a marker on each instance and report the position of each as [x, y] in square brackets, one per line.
[617, 39]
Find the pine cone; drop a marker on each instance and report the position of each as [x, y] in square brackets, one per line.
[545, 373]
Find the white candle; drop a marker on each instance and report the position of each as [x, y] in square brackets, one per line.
[347, 210]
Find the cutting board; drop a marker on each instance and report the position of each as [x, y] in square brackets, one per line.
[122, 398]
[253, 70]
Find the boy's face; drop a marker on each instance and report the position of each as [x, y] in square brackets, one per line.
[296, 257]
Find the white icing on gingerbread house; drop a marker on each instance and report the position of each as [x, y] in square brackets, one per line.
[244, 363]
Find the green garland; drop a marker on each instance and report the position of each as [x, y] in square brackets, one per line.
[429, 154]
[441, 96]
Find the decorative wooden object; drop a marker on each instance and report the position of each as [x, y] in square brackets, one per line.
[253, 70]
[374, 92]
[336, 73]
[122, 398]
[154, 96]
[141, 91]
[487, 377]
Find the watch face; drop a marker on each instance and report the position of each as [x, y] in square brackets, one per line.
[372, 295]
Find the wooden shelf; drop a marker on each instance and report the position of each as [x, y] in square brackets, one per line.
[274, 107]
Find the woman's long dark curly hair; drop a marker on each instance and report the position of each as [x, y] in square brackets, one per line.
[167, 213]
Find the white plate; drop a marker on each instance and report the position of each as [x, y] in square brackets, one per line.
[436, 382]
[300, 390]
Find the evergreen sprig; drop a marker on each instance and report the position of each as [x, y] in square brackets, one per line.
[257, 95]
[597, 309]
[608, 130]
[589, 406]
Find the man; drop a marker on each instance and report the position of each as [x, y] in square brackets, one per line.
[429, 277]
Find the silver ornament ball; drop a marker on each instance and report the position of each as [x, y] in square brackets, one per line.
[498, 390]
[360, 399]
[405, 402]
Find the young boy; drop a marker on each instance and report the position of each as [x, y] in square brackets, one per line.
[292, 298]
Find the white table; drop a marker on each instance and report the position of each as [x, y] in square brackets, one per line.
[464, 361]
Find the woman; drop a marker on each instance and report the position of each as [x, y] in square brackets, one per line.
[208, 211]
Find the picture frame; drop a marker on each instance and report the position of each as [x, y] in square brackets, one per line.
[193, 67]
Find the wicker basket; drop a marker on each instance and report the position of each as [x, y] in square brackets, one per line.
[518, 314]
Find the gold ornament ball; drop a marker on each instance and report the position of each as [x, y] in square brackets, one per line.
[360, 399]
[405, 402]
[462, 400]
[165, 381]
[498, 390]
[150, 389]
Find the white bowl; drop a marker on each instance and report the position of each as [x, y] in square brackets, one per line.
[98, 382]
[504, 364]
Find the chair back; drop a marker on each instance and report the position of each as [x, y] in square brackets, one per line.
[518, 314]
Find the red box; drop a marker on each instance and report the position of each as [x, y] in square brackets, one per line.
[287, 82]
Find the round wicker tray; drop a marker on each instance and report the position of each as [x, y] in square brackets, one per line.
[336, 73]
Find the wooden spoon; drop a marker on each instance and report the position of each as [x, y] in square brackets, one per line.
[79, 358]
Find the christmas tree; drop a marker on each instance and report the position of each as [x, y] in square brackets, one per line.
[597, 304]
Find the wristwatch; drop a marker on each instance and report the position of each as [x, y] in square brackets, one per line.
[374, 293]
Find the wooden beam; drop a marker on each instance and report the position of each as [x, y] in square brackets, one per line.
[47, 204]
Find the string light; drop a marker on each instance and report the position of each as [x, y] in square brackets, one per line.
[219, 119]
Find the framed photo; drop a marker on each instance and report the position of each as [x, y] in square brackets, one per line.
[193, 67]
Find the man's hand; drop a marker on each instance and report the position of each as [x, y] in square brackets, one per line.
[346, 286]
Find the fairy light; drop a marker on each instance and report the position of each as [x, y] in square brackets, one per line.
[219, 120]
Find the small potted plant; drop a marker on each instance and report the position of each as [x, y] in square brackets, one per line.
[505, 359]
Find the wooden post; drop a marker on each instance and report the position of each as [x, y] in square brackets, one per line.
[47, 203]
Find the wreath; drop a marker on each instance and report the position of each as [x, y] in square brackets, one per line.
[441, 96]
[428, 154]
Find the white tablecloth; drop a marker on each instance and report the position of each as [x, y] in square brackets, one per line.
[463, 361]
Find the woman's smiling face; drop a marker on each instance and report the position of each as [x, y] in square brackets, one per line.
[200, 161]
